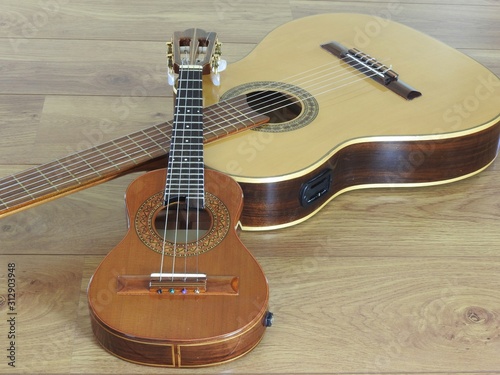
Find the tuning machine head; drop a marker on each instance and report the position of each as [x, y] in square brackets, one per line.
[170, 63]
[217, 65]
[195, 47]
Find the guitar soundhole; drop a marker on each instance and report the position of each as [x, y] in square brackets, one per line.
[288, 106]
[178, 223]
[278, 106]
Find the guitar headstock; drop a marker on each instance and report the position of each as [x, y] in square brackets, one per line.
[194, 47]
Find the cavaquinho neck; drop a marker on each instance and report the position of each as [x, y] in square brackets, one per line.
[185, 171]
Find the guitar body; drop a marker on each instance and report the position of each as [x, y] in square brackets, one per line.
[138, 324]
[348, 131]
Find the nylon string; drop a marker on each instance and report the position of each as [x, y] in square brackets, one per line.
[337, 79]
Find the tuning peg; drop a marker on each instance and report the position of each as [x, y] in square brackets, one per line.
[214, 75]
[215, 78]
[170, 77]
[222, 65]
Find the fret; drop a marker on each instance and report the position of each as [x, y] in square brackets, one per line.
[133, 160]
[186, 147]
[69, 172]
[232, 109]
[185, 164]
[228, 115]
[47, 179]
[106, 157]
[99, 165]
[181, 185]
[3, 205]
[12, 193]
[187, 159]
[79, 165]
[179, 177]
[22, 186]
[147, 148]
[140, 147]
[185, 189]
[211, 133]
[187, 133]
[34, 181]
[187, 119]
[90, 165]
[187, 107]
[154, 142]
[167, 132]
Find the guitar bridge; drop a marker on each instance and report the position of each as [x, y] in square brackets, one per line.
[177, 284]
[374, 69]
[185, 283]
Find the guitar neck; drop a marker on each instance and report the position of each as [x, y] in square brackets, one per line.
[185, 165]
[114, 158]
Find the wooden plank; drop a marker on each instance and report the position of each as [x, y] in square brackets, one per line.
[152, 20]
[47, 293]
[19, 121]
[368, 315]
[88, 67]
[447, 22]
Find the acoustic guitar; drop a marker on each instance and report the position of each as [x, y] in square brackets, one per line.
[353, 101]
[180, 290]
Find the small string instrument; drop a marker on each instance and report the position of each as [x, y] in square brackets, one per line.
[181, 290]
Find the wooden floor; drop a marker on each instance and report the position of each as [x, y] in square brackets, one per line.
[379, 281]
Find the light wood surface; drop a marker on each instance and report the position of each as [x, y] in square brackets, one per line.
[379, 281]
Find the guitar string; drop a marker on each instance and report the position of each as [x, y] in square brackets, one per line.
[128, 156]
[189, 169]
[188, 207]
[181, 139]
[286, 102]
[168, 188]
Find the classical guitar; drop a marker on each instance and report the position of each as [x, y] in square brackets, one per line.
[354, 101]
[180, 290]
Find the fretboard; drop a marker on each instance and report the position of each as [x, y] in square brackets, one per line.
[116, 157]
[185, 172]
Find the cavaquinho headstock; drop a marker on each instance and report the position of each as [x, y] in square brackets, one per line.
[194, 47]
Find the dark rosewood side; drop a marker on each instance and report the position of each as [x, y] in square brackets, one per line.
[371, 163]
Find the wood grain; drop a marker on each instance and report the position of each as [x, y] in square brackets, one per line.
[379, 281]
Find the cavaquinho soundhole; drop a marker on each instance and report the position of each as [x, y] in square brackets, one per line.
[179, 223]
[180, 230]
